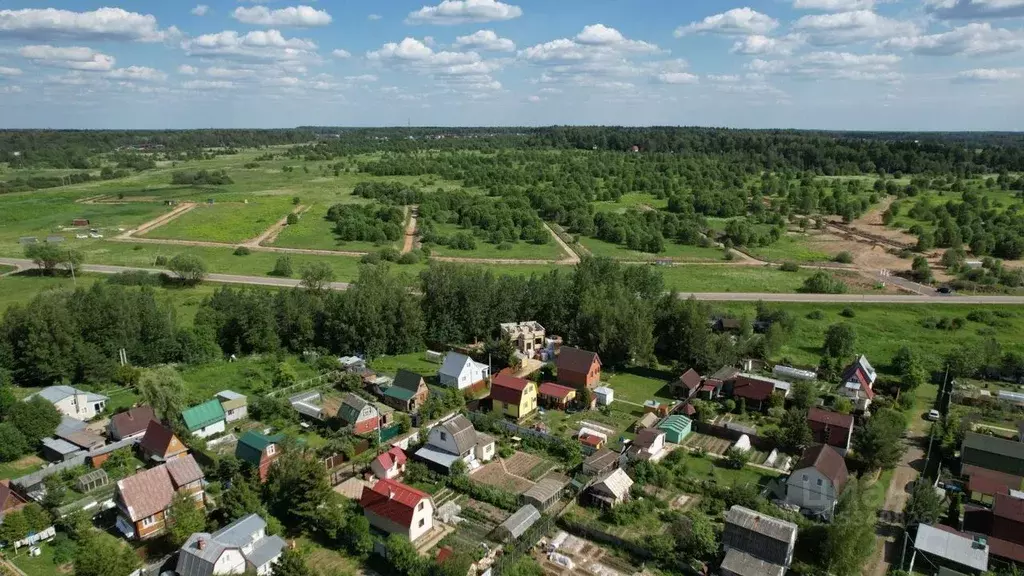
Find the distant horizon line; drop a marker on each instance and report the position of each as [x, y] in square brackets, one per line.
[513, 127]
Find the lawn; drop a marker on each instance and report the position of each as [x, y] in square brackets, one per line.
[518, 250]
[639, 384]
[20, 288]
[673, 251]
[791, 247]
[226, 222]
[724, 278]
[712, 469]
[882, 329]
[414, 362]
[20, 467]
[42, 565]
[327, 562]
[244, 376]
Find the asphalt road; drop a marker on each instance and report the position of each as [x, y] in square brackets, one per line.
[934, 298]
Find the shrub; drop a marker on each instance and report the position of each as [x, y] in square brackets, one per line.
[843, 258]
[390, 254]
[848, 313]
[729, 255]
[371, 258]
[292, 219]
[160, 261]
[242, 251]
[409, 258]
[283, 267]
[816, 315]
[136, 278]
[823, 283]
[463, 241]
[790, 267]
[505, 246]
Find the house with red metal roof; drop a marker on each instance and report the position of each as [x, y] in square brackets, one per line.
[389, 465]
[686, 385]
[159, 444]
[395, 508]
[513, 397]
[756, 391]
[551, 395]
[831, 428]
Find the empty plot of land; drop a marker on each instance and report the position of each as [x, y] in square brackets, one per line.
[494, 474]
[225, 222]
[528, 466]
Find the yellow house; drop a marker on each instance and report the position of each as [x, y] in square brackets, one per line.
[513, 397]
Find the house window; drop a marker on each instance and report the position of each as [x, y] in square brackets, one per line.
[149, 521]
[271, 450]
[819, 482]
[444, 437]
[422, 521]
[803, 477]
[420, 507]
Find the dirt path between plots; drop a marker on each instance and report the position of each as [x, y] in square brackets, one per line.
[571, 256]
[887, 548]
[410, 230]
[270, 234]
[158, 221]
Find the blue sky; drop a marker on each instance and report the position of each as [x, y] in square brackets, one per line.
[830, 64]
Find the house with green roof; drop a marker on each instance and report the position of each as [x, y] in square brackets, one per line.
[407, 392]
[205, 420]
[676, 428]
[259, 451]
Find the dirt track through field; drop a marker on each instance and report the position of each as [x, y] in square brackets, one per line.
[158, 221]
[270, 234]
[410, 230]
[887, 547]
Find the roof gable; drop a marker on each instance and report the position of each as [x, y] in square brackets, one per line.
[134, 421]
[454, 364]
[690, 379]
[616, 482]
[146, 493]
[160, 440]
[252, 444]
[555, 390]
[509, 389]
[408, 380]
[392, 500]
[575, 359]
[184, 471]
[203, 415]
[753, 388]
[826, 460]
[462, 432]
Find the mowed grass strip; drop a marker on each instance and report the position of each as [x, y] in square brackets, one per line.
[225, 222]
[315, 232]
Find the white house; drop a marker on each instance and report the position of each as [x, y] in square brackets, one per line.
[858, 383]
[395, 508]
[72, 402]
[389, 464]
[817, 480]
[235, 405]
[240, 546]
[648, 445]
[456, 439]
[460, 371]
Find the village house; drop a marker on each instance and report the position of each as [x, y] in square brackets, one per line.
[394, 508]
[817, 480]
[757, 391]
[72, 402]
[991, 453]
[130, 424]
[361, 415]
[240, 547]
[205, 420]
[555, 396]
[407, 392]
[649, 444]
[259, 451]
[686, 385]
[513, 397]
[389, 465]
[591, 438]
[528, 337]
[756, 543]
[159, 444]
[676, 428]
[143, 498]
[462, 372]
[578, 368]
[831, 428]
[235, 405]
[609, 490]
[600, 462]
[858, 381]
[944, 546]
[456, 439]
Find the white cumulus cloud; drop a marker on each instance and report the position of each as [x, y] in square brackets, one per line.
[290, 17]
[188, 70]
[486, 40]
[975, 39]
[139, 73]
[341, 54]
[975, 9]
[49, 24]
[738, 21]
[851, 27]
[200, 10]
[72, 58]
[451, 12]
[8, 71]
[254, 45]
[758, 45]
[988, 75]
[678, 78]
[834, 5]
[601, 35]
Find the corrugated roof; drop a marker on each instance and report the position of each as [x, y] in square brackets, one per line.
[519, 522]
[647, 437]
[54, 394]
[742, 564]
[134, 421]
[158, 439]
[454, 363]
[146, 493]
[232, 400]
[193, 561]
[399, 393]
[555, 390]
[647, 420]
[239, 533]
[61, 446]
[601, 459]
[462, 432]
[1001, 446]
[575, 359]
[830, 418]
[752, 388]
[393, 456]
[615, 482]
[184, 470]
[251, 445]
[266, 550]
[952, 546]
[675, 423]
[196, 561]
[690, 379]
[546, 488]
[407, 380]
[202, 415]
[1006, 506]
[769, 526]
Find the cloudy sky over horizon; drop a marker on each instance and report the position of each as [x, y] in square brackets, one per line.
[830, 64]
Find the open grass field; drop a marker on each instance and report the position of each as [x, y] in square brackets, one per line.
[244, 376]
[315, 231]
[673, 251]
[638, 385]
[519, 250]
[632, 200]
[22, 466]
[883, 329]
[793, 247]
[225, 222]
[723, 278]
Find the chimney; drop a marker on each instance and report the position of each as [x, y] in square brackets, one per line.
[201, 544]
[391, 493]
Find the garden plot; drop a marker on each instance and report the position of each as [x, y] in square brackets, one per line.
[528, 466]
[588, 558]
[477, 521]
[495, 474]
[710, 444]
